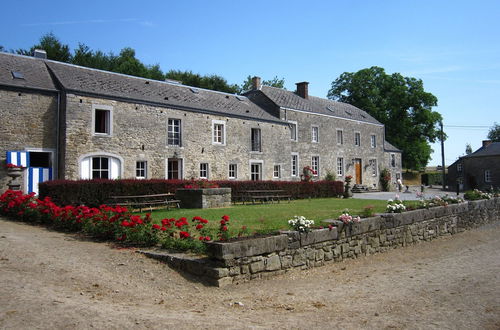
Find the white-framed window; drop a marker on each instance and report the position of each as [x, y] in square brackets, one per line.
[340, 166]
[277, 171]
[256, 140]
[102, 120]
[373, 166]
[141, 169]
[459, 167]
[219, 132]
[487, 176]
[293, 130]
[340, 137]
[357, 139]
[255, 171]
[393, 160]
[203, 170]
[315, 165]
[373, 141]
[174, 132]
[233, 171]
[314, 134]
[100, 166]
[295, 164]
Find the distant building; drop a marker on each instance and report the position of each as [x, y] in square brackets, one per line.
[70, 122]
[478, 170]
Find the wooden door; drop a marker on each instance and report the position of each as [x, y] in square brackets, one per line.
[357, 167]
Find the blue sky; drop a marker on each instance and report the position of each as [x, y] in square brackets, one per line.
[453, 46]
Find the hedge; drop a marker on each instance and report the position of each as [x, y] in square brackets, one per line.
[432, 178]
[97, 192]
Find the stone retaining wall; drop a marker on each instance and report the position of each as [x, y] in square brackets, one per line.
[258, 258]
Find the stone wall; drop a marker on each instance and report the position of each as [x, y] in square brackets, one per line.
[258, 258]
[206, 198]
[329, 149]
[29, 121]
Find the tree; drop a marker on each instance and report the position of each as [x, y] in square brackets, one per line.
[468, 149]
[275, 82]
[401, 103]
[213, 82]
[54, 48]
[494, 133]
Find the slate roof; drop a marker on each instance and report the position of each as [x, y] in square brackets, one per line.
[288, 99]
[79, 79]
[493, 149]
[34, 71]
[390, 147]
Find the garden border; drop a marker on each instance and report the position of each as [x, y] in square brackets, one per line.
[257, 258]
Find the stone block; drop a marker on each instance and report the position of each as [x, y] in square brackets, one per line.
[257, 266]
[318, 236]
[225, 281]
[248, 247]
[273, 263]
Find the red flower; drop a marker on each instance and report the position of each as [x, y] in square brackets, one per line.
[224, 228]
[201, 238]
[156, 226]
[207, 238]
[183, 234]
[199, 226]
[225, 217]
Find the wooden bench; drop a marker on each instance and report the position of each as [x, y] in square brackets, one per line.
[264, 196]
[141, 202]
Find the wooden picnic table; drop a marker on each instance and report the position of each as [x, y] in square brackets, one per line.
[143, 201]
[264, 196]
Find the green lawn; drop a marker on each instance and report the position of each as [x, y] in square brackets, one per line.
[262, 218]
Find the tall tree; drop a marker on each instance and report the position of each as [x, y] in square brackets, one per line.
[494, 133]
[468, 149]
[54, 48]
[275, 82]
[401, 103]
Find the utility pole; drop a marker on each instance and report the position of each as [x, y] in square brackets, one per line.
[442, 156]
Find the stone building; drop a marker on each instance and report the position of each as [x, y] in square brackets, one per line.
[478, 170]
[72, 122]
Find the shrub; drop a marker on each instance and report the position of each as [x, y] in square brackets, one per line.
[385, 179]
[432, 178]
[97, 192]
[475, 194]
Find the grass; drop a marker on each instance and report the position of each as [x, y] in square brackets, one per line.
[266, 218]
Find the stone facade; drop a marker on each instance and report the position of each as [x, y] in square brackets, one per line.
[329, 149]
[29, 122]
[261, 258]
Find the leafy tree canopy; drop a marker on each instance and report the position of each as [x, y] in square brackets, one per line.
[401, 103]
[275, 82]
[494, 133]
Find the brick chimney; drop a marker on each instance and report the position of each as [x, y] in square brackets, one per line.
[256, 83]
[486, 143]
[303, 89]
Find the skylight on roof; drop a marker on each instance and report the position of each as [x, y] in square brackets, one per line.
[349, 113]
[240, 98]
[330, 109]
[363, 116]
[17, 75]
[194, 90]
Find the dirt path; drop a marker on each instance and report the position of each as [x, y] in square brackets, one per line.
[55, 280]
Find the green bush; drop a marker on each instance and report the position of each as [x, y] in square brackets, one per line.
[432, 178]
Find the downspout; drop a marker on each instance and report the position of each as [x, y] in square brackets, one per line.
[58, 132]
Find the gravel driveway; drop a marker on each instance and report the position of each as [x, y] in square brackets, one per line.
[52, 280]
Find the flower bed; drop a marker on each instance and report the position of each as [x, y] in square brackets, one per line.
[111, 223]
